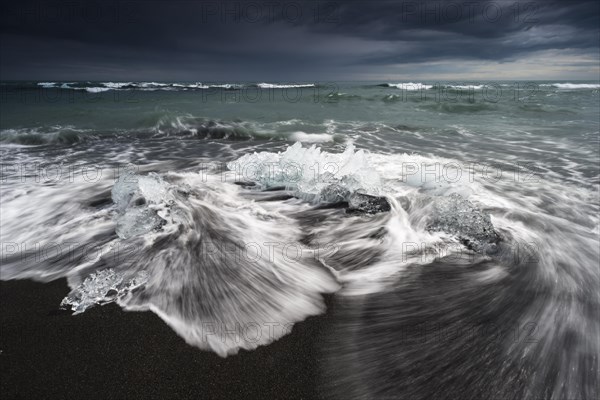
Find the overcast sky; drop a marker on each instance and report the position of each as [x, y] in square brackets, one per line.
[299, 40]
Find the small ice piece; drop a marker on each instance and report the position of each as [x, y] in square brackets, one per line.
[102, 287]
[360, 202]
[457, 216]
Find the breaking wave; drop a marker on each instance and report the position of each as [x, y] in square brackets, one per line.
[172, 126]
[96, 87]
[574, 85]
[410, 86]
[41, 136]
[283, 86]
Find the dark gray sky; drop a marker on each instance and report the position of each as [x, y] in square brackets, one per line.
[277, 40]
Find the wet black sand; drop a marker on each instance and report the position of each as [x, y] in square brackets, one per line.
[107, 353]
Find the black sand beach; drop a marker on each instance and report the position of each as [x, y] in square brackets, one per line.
[107, 353]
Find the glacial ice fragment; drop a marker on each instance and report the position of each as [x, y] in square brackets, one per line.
[455, 215]
[134, 197]
[310, 172]
[102, 287]
[360, 202]
[334, 194]
[137, 221]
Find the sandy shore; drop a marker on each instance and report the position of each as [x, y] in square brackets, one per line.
[107, 353]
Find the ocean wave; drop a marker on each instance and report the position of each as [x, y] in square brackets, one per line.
[337, 96]
[459, 107]
[410, 86]
[392, 98]
[229, 86]
[414, 86]
[176, 127]
[117, 85]
[96, 87]
[199, 266]
[466, 87]
[573, 85]
[312, 137]
[284, 86]
[40, 136]
[216, 288]
[189, 126]
[47, 84]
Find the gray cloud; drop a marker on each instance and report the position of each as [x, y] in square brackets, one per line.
[285, 40]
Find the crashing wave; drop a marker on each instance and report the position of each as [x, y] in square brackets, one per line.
[216, 271]
[66, 135]
[466, 87]
[300, 136]
[206, 129]
[151, 86]
[117, 85]
[410, 86]
[226, 86]
[574, 85]
[284, 86]
[97, 89]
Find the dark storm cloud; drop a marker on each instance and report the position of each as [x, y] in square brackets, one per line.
[149, 39]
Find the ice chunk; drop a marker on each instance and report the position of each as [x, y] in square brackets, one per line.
[360, 202]
[137, 221]
[334, 194]
[102, 287]
[455, 215]
[137, 188]
[123, 191]
[136, 199]
[310, 172]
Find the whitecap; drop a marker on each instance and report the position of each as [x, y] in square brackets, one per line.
[576, 85]
[283, 86]
[312, 137]
[410, 86]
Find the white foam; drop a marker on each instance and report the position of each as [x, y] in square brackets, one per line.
[312, 137]
[116, 85]
[97, 89]
[410, 86]
[198, 85]
[283, 86]
[226, 86]
[467, 87]
[574, 85]
[152, 84]
[215, 297]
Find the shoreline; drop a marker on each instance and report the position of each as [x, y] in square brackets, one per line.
[108, 353]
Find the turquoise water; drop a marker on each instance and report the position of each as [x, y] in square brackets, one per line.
[552, 121]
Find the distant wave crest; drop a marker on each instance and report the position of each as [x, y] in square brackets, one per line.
[96, 87]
